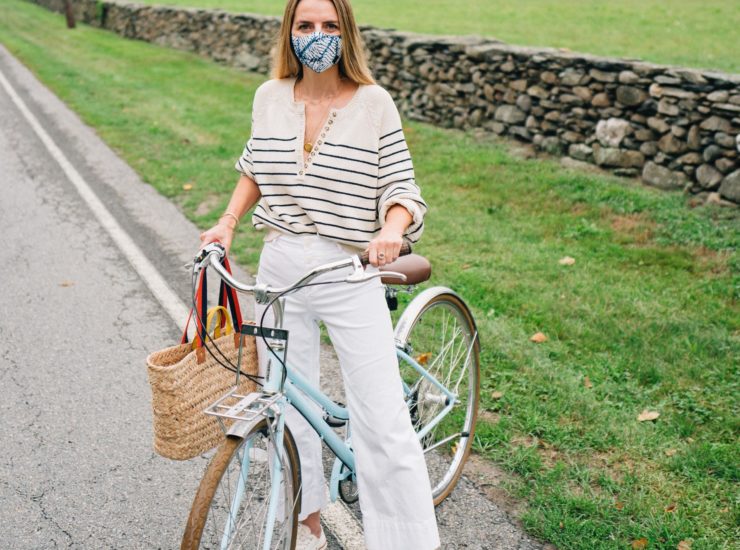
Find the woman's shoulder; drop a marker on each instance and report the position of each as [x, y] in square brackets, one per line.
[275, 89]
[376, 95]
[380, 106]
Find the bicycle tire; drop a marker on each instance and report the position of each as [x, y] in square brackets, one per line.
[205, 530]
[436, 326]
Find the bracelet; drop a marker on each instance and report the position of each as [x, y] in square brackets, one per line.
[227, 213]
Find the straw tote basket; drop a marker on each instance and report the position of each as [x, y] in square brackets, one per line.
[186, 378]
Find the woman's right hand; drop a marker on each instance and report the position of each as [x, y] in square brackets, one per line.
[221, 232]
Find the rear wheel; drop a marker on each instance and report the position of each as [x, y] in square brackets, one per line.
[437, 330]
[231, 505]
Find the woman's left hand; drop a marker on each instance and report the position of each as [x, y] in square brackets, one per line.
[386, 247]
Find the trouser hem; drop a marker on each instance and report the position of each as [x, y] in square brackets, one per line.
[401, 535]
[312, 503]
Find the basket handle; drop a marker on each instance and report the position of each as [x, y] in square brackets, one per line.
[223, 327]
[199, 292]
[227, 296]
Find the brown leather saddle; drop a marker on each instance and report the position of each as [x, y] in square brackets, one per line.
[416, 268]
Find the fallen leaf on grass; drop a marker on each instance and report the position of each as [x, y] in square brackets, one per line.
[488, 416]
[684, 545]
[670, 452]
[587, 382]
[538, 338]
[567, 260]
[423, 358]
[619, 505]
[497, 395]
[639, 544]
[466, 266]
[66, 283]
[671, 507]
[187, 187]
[648, 415]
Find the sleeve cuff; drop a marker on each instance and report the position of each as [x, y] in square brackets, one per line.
[412, 207]
[240, 167]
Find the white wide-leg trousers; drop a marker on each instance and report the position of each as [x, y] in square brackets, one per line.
[394, 488]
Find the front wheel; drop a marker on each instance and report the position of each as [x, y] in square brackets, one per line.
[438, 332]
[231, 506]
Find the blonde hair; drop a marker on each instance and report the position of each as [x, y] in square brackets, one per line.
[352, 64]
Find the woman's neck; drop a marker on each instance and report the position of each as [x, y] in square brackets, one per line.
[317, 86]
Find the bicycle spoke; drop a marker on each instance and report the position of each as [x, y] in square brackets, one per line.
[440, 357]
[442, 442]
[245, 517]
[466, 364]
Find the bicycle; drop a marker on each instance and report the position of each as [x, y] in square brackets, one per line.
[251, 490]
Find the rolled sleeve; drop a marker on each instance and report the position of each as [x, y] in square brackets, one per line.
[407, 195]
[244, 162]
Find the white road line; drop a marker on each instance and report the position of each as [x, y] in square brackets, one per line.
[337, 517]
[151, 277]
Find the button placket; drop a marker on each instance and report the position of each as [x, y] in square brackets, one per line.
[299, 150]
[315, 150]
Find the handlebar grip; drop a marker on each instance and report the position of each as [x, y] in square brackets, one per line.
[405, 249]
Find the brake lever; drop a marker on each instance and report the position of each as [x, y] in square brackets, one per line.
[358, 275]
[205, 252]
[361, 278]
[391, 275]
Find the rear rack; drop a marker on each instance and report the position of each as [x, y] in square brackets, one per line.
[235, 406]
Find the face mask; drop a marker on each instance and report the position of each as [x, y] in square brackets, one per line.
[318, 51]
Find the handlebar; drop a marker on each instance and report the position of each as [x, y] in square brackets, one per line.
[405, 250]
[211, 255]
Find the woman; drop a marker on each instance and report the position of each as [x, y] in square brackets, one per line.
[330, 172]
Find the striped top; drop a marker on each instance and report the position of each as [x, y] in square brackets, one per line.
[359, 167]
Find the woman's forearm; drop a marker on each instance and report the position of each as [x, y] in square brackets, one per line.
[245, 196]
[397, 219]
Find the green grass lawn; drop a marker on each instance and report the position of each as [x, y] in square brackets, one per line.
[679, 32]
[646, 318]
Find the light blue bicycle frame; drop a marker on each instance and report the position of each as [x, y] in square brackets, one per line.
[300, 393]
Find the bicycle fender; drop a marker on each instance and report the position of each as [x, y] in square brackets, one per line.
[403, 326]
[241, 428]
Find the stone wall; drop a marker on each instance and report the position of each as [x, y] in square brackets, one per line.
[676, 128]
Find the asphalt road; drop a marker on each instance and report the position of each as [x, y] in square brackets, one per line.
[76, 323]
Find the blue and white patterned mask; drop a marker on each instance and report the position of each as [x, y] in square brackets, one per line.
[318, 51]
